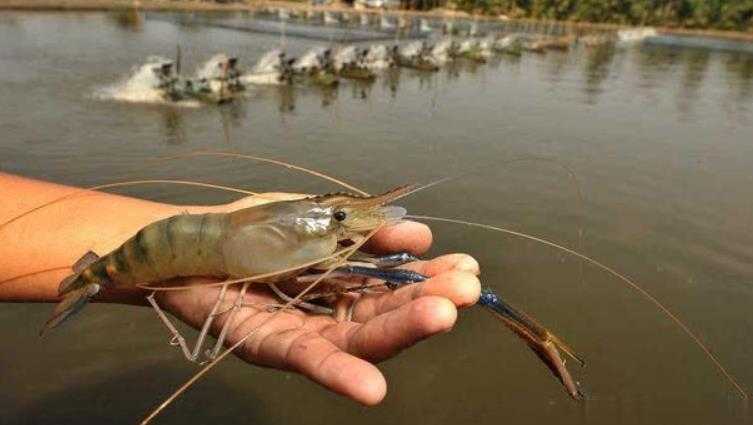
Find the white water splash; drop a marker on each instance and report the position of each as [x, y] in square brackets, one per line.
[467, 45]
[213, 68]
[386, 24]
[412, 49]
[378, 58]
[312, 59]
[330, 19]
[507, 41]
[141, 86]
[636, 35]
[271, 61]
[424, 26]
[345, 56]
[440, 52]
[267, 70]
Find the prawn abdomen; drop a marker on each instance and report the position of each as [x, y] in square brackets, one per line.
[181, 245]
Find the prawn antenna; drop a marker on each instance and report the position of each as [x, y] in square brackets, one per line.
[92, 191]
[643, 292]
[284, 164]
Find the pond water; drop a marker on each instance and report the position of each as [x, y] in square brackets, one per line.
[660, 139]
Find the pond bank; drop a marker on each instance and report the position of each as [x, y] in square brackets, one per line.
[191, 5]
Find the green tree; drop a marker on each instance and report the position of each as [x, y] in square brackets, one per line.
[737, 15]
[722, 14]
[705, 13]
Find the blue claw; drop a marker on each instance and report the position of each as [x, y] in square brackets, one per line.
[394, 278]
[544, 343]
[390, 260]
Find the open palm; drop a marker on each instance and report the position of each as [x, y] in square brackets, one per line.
[339, 355]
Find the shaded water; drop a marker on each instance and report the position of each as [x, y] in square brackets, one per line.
[659, 137]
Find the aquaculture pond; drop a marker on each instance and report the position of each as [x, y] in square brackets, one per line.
[658, 137]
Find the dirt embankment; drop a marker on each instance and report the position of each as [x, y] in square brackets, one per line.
[195, 5]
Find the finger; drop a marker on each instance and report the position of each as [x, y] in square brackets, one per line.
[445, 263]
[403, 236]
[457, 287]
[461, 288]
[388, 334]
[304, 350]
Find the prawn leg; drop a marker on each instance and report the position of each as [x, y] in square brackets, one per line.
[173, 330]
[211, 354]
[191, 355]
[301, 304]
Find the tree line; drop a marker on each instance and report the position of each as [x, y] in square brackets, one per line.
[715, 14]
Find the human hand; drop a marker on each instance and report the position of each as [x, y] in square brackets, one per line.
[340, 355]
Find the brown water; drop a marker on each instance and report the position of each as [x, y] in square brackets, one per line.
[660, 139]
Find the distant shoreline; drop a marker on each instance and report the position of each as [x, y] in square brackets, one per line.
[193, 5]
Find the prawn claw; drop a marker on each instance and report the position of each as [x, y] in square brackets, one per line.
[545, 344]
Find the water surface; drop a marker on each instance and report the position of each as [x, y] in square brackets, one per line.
[660, 141]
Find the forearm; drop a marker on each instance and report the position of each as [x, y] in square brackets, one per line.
[55, 236]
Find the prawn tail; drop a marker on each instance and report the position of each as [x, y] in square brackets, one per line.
[76, 291]
[72, 303]
[545, 344]
[73, 282]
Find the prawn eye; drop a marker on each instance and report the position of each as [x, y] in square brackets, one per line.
[339, 215]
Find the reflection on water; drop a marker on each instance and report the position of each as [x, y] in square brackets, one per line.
[175, 134]
[328, 95]
[233, 113]
[658, 137]
[656, 63]
[287, 99]
[128, 18]
[696, 66]
[361, 89]
[556, 67]
[739, 67]
[391, 80]
[598, 64]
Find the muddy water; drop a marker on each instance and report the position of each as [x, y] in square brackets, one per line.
[660, 141]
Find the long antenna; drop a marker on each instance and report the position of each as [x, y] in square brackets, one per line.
[632, 284]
